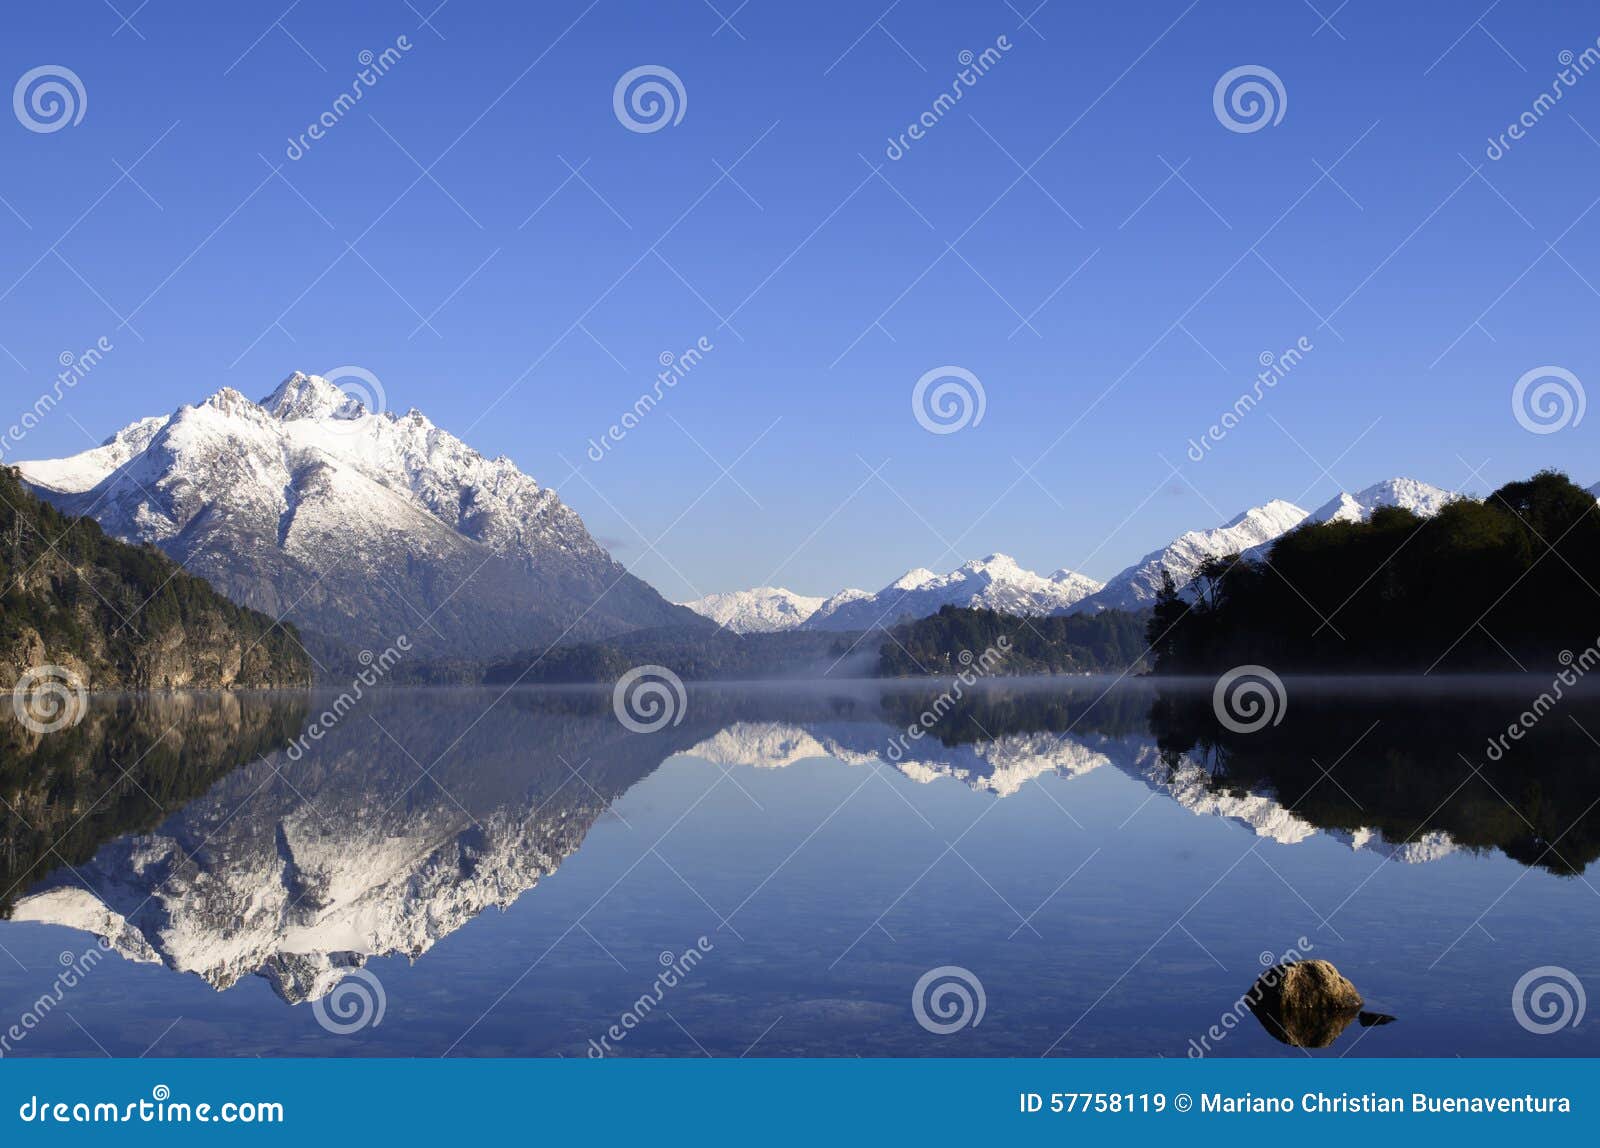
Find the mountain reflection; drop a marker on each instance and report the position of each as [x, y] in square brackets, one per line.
[132, 760]
[178, 828]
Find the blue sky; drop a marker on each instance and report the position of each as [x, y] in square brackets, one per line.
[525, 307]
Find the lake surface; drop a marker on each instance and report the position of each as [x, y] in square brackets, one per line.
[509, 873]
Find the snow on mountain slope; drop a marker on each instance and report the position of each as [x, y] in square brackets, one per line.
[82, 471]
[1420, 498]
[759, 611]
[994, 583]
[1136, 587]
[357, 526]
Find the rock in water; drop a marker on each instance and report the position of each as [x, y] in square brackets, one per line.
[1306, 1004]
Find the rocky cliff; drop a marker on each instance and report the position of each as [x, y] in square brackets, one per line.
[78, 606]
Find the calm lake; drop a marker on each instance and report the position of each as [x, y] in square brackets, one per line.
[1106, 868]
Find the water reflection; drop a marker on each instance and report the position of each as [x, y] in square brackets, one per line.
[178, 829]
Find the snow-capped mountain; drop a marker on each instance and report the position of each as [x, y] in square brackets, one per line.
[1420, 498]
[356, 526]
[1136, 587]
[993, 583]
[760, 611]
[998, 583]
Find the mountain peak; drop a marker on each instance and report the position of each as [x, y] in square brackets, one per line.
[998, 565]
[912, 579]
[1419, 497]
[226, 400]
[384, 518]
[761, 610]
[303, 396]
[996, 582]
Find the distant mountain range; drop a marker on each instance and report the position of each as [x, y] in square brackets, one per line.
[357, 526]
[995, 583]
[999, 583]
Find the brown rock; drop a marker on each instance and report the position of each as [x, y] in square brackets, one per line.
[1304, 1003]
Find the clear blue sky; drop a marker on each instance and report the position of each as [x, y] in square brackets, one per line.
[825, 290]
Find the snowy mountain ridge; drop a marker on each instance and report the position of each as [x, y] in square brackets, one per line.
[353, 523]
[760, 611]
[998, 582]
